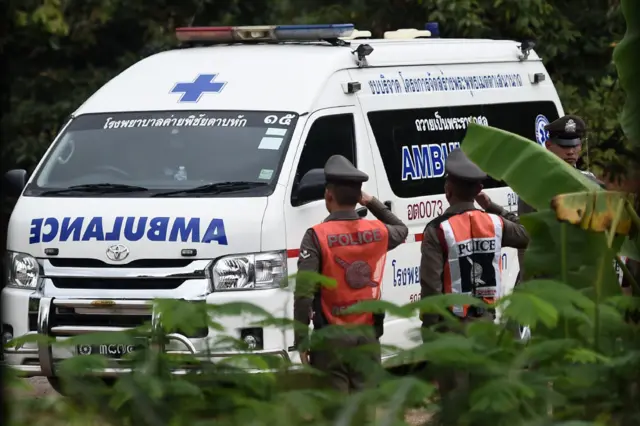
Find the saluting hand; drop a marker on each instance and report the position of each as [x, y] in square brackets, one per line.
[365, 198]
[483, 200]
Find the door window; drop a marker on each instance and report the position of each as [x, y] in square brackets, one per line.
[329, 135]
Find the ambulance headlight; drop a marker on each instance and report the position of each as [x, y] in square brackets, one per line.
[256, 271]
[22, 270]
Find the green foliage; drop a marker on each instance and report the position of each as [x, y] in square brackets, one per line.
[626, 59]
[514, 159]
[62, 51]
[582, 364]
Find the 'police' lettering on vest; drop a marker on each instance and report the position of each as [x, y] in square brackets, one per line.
[46, 230]
[479, 245]
[355, 238]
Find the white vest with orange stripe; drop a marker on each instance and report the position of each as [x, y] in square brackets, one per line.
[473, 243]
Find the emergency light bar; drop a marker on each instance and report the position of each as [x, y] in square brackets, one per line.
[358, 35]
[433, 28]
[264, 33]
[405, 33]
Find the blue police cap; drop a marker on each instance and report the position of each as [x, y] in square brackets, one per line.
[459, 166]
[567, 131]
[339, 169]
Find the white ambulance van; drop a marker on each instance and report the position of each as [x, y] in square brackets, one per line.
[192, 175]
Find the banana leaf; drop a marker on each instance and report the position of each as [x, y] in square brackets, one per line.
[626, 56]
[552, 253]
[627, 61]
[534, 173]
[595, 211]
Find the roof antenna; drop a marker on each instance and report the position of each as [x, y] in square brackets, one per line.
[362, 51]
[526, 46]
[588, 162]
[199, 8]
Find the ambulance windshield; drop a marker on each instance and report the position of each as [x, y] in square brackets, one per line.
[143, 154]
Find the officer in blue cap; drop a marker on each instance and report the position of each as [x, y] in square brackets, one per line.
[566, 135]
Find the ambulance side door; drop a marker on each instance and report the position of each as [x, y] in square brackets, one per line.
[327, 132]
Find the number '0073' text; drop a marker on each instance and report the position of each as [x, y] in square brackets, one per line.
[424, 209]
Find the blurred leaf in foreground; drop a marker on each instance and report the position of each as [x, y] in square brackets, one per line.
[514, 159]
[595, 211]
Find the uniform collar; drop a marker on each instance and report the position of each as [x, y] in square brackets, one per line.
[460, 207]
[342, 215]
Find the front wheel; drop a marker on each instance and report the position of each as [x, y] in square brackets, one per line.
[54, 382]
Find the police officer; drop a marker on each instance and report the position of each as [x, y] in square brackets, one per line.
[565, 141]
[351, 251]
[469, 239]
[461, 253]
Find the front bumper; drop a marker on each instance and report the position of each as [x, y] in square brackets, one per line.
[42, 358]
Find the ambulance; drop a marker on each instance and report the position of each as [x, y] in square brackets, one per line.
[193, 175]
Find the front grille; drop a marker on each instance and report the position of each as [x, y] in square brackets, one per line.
[69, 317]
[140, 263]
[118, 283]
[65, 316]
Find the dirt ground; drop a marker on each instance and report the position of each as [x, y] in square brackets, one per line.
[40, 388]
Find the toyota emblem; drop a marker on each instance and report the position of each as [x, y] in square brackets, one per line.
[117, 252]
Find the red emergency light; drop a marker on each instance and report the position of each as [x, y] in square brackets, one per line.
[264, 33]
[188, 34]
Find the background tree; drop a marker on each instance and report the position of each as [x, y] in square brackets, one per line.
[58, 52]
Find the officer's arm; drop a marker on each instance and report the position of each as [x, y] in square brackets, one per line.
[513, 234]
[497, 209]
[524, 208]
[398, 231]
[431, 270]
[308, 261]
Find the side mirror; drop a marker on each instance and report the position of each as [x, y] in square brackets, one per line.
[15, 181]
[311, 186]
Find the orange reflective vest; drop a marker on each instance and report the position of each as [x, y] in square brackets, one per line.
[353, 254]
[472, 242]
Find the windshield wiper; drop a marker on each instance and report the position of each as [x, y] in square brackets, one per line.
[213, 188]
[100, 188]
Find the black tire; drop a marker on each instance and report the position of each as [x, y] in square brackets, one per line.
[56, 385]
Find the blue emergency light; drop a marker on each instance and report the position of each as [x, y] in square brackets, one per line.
[264, 33]
[434, 28]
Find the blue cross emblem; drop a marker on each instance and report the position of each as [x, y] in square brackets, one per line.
[192, 92]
